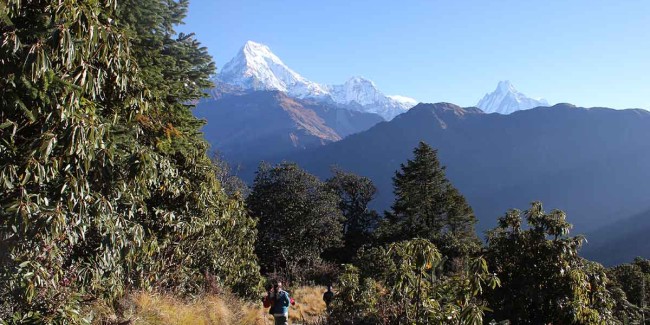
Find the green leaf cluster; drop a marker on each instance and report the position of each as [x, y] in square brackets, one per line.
[630, 286]
[410, 288]
[544, 280]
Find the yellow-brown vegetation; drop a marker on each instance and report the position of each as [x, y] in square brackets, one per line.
[146, 308]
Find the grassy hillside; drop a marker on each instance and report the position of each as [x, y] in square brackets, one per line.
[222, 309]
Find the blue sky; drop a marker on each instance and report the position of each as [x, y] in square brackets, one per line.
[590, 53]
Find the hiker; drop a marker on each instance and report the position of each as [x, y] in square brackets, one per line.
[328, 296]
[278, 300]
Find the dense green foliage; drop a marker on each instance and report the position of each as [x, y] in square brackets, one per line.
[359, 222]
[66, 72]
[105, 182]
[298, 218]
[408, 279]
[543, 278]
[195, 227]
[428, 206]
[538, 276]
[410, 288]
[424, 263]
[631, 285]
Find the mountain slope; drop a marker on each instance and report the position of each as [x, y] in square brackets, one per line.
[506, 99]
[621, 241]
[251, 126]
[255, 67]
[587, 162]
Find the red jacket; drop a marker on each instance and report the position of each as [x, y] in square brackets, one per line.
[268, 302]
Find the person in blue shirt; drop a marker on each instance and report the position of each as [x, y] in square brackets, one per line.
[278, 300]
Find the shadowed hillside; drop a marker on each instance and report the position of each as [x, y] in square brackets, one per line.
[255, 125]
[584, 161]
[620, 241]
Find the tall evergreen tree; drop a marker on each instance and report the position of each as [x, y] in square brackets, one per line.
[190, 211]
[428, 206]
[298, 217]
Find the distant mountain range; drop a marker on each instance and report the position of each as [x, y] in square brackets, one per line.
[506, 100]
[251, 126]
[261, 108]
[256, 68]
[590, 162]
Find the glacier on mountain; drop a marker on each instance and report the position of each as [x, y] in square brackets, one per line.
[255, 67]
[506, 99]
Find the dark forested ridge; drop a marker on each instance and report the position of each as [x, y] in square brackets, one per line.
[585, 161]
[619, 241]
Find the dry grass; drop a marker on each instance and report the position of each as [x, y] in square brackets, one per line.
[156, 309]
[309, 304]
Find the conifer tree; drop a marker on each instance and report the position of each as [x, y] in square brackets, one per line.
[428, 206]
[190, 212]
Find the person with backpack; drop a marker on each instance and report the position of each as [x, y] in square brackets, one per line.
[278, 301]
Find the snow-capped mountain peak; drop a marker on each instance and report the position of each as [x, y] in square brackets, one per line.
[362, 94]
[256, 67]
[407, 101]
[256, 49]
[356, 89]
[506, 86]
[505, 99]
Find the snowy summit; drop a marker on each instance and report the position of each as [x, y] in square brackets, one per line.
[255, 67]
[506, 99]
[364, 92]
